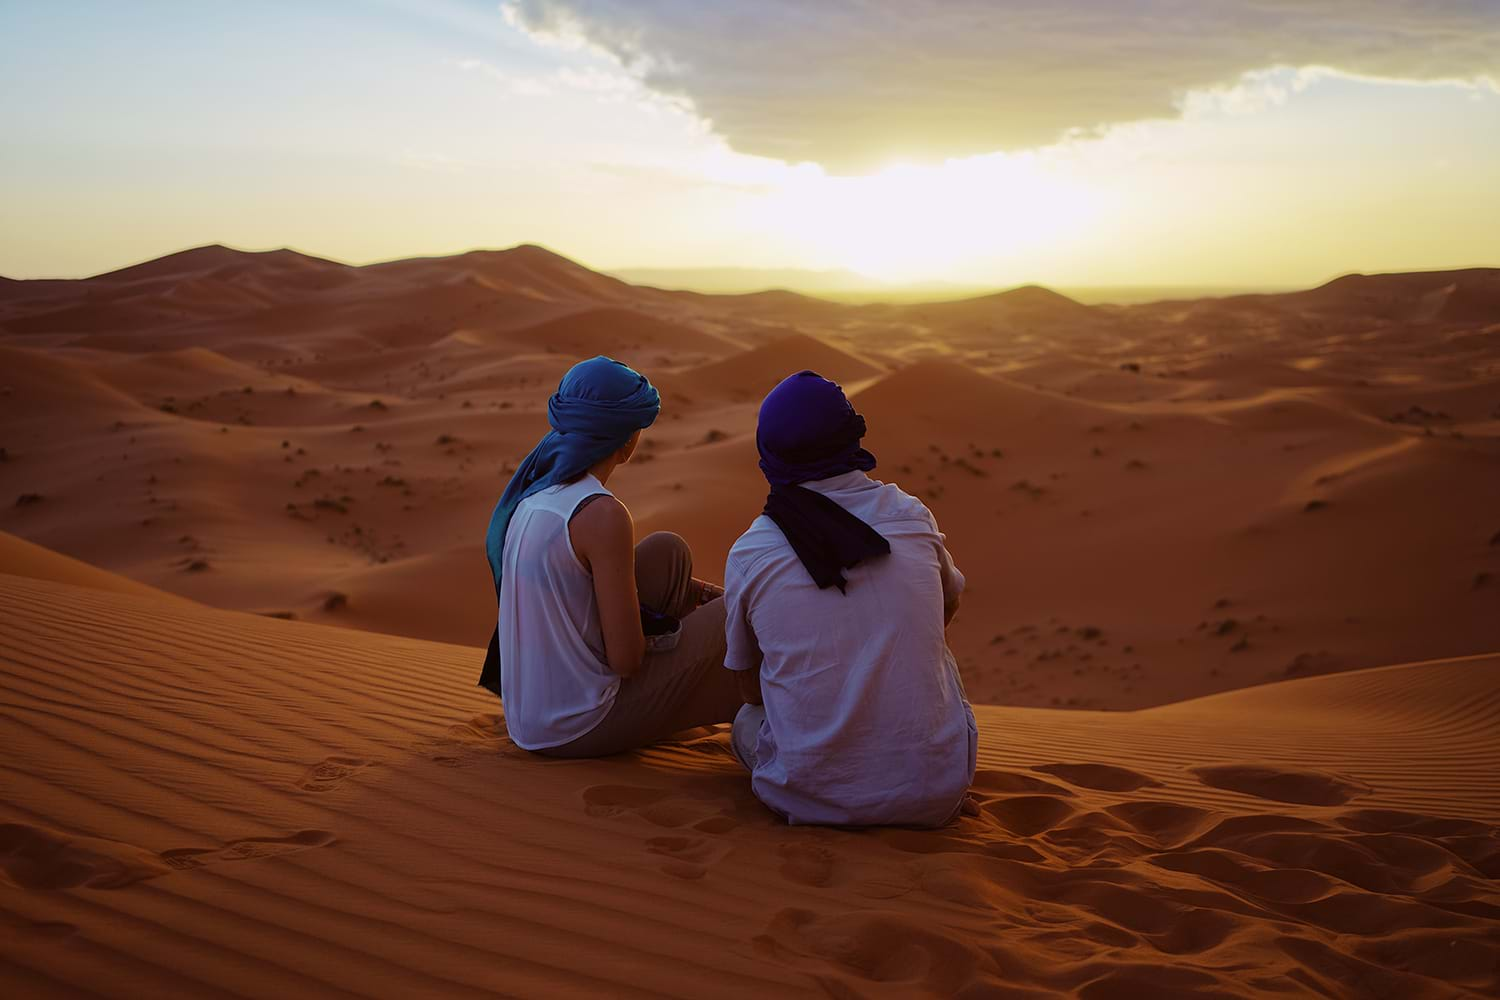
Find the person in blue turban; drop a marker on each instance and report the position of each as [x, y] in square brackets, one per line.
[838, 598]
[601, 645]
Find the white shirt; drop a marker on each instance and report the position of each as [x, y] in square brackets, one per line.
[554, 681]
[866, 719]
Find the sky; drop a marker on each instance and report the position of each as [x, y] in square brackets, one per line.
[979, 142]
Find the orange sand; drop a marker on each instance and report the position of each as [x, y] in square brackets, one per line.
[200, 801]
[1152, 503]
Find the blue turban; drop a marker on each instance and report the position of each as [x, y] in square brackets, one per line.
[598, 405]
[808, 430]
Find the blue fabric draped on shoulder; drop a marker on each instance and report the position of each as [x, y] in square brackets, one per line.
[598, 404]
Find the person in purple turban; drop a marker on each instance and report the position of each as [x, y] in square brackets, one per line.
[837, 599]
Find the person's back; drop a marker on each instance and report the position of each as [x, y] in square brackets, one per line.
[576, 593]
[555, 678]
[864, 719]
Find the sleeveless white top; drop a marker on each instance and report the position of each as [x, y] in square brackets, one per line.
[554, 681]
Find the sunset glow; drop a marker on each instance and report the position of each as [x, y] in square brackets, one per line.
[389, 129]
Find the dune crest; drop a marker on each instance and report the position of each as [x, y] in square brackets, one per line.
[24, 559]
[1150, 501]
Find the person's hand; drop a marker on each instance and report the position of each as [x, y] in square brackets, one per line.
[708, 592]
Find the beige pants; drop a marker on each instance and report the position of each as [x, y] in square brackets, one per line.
[677, 689]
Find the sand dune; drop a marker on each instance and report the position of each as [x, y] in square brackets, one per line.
[527, 269]
[202, 801]
[1217, 493]
[38, 385]
[23, 559]
[748, 375]
[622, 331]
[217, 258]
[1224, 509]
[1423, 295]
[396, 596]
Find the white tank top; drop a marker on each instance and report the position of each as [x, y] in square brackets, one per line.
[554, 680]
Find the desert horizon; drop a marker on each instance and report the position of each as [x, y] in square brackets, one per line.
[1240, 512]
[378, 410]
[838, 285]
[1118, 616]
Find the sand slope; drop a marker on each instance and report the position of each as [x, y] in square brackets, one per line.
[198, 801]
[22, 558]
[749, 375]
[1151, 502]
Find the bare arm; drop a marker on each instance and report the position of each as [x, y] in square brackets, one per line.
[950, 608]
[603, 536]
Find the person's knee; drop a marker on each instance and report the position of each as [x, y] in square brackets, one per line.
[745, 733]
[750, 717]
[664, 556]
[663, 546]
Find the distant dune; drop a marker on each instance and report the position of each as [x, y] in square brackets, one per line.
[605, 330]
[1196, 533]
[1219, 492]
[749, 375]
[850, 286]
[23, 559]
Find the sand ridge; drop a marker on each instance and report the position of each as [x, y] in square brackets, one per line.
[1151, 502]
[285, 807]
[1224, 516]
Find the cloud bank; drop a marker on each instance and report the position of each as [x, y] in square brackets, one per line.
[851, 84]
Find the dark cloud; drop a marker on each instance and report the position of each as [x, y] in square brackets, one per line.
[849, 83]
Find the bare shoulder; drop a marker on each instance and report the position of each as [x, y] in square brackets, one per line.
[600, 523]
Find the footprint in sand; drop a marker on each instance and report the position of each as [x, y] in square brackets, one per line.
[687, 857]
[620, 800]
[705, 812]
[822, 866]
[1099, 777]
[487, 733]
[1282, 784]
[807, 864]
[956, 884]
[1415, 824]
[716, 824]
[465, 744]
[873, 948]
[1028, 815]
[329, 773]
[184, 858]
[480, 729]
[944, 841]
[1167, 823]
[951, 842]
[35, 857]
[989, 782]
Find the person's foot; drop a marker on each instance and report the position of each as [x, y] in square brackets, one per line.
[969, 806]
